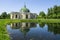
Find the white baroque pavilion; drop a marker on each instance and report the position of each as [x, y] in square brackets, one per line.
[23, 14]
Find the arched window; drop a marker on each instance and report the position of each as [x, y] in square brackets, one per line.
[16, 16]
[26, 16]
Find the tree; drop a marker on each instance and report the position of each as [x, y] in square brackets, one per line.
[42, 14]
[55, 9]
[54, 12]
[0, 17]
[8, 16]
[50, 13]
[4, 15]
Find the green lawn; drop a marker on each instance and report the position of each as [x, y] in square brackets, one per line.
[4, 21]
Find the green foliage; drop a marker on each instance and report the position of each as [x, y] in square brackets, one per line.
[41, 15]
[8, 16]
[54, 13]
[3, 32]
[4, 15]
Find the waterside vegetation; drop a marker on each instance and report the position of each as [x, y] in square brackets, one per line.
[5, 21]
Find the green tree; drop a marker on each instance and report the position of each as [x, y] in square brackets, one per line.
[8, 16]
[42, 14]
[0, 17]
[55, 9]
[54, 12]
[50, 13]
[4, 15]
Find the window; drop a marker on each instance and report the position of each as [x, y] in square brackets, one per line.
[16, 16]
[26, 16]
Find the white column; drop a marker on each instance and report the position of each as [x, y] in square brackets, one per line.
[11, 16]
[28, 16]
[14, 16]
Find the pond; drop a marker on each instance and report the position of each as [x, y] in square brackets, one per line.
[34, 31]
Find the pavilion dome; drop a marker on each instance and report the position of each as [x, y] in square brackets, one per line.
[24, 9]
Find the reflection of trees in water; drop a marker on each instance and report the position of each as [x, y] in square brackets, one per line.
[42, 25]
[55, 28]
[33, 25]
[24, 30]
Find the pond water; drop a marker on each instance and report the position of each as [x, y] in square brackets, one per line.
[34, 31]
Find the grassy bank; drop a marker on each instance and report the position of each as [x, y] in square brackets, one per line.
[50, 20]
[5, 21]
[3, 33]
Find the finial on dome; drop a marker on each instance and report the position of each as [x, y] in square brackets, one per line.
[25, 5]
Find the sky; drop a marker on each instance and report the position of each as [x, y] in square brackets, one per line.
[35, 6]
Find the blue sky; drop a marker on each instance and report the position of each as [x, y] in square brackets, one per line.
[34, 6]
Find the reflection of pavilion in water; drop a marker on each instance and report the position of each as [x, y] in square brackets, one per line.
[24, 27]
[55, 28]
[15, 25]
